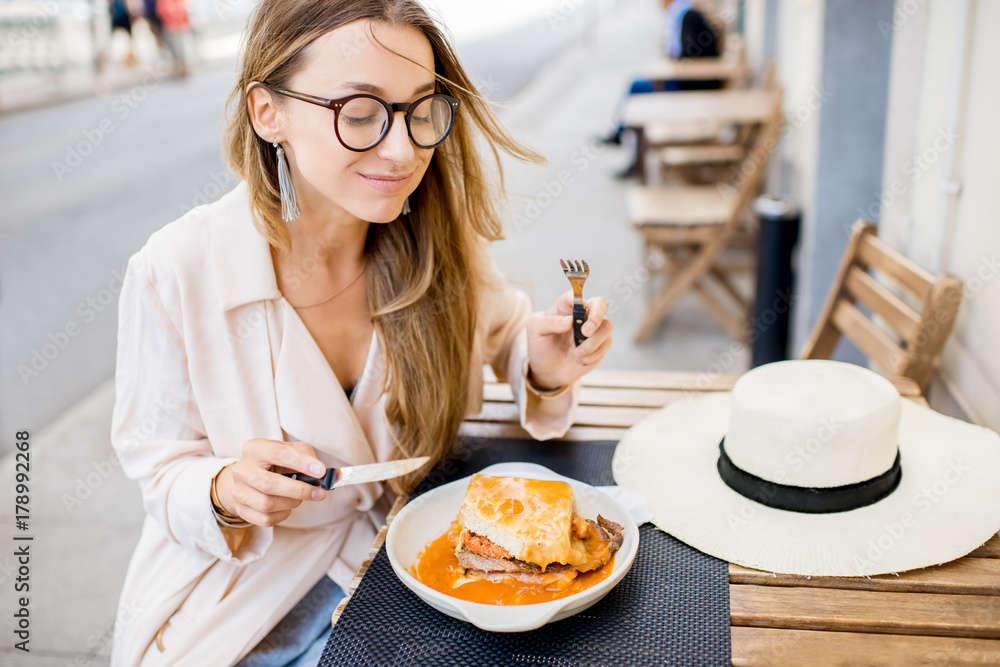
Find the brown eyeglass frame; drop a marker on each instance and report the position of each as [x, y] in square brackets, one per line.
[392, 108]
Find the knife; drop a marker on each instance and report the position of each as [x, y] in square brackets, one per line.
[363, 474]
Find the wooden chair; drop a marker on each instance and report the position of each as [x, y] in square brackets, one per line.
[699, 143]
[693, 224]
[910, 342]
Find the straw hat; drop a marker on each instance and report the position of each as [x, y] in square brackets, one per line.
[815, 468]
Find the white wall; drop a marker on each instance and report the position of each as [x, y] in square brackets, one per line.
[943, 112]
[753, 32]
[799, 68]
[799, 60]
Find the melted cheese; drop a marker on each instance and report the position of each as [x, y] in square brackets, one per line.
[530, 518]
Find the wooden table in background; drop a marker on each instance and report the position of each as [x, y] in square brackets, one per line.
[694, 118]
[726, 106]
[693, 69]
[948, 614]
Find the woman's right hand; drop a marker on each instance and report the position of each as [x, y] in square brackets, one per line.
[254, 489]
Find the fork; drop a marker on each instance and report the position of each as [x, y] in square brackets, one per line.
[577, 273]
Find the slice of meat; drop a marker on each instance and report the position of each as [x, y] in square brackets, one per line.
[483, 545]
[613, 532]
[594, 541]
[560, 579]
[597, 541]
[474, 561]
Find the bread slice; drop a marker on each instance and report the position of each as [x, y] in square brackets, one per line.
[529, 518]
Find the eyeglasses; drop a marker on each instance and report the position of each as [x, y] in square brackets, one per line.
[361, 121]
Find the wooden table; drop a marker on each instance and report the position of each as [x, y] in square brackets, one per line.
[695, 119]
[693, 69]
[725, 106]
[935, 616]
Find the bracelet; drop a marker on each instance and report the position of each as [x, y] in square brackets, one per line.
[221, 515]
[542, 393]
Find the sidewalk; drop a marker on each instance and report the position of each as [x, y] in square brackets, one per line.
[85, 519]
[86, 515]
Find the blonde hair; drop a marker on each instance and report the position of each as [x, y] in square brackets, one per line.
[424, 277]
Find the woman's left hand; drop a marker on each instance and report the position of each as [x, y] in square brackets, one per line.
[554, 358]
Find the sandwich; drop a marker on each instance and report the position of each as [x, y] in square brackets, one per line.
[528, 530]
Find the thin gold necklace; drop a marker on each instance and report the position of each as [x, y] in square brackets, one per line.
[331, 297]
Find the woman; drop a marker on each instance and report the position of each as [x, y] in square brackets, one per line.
[336, 308]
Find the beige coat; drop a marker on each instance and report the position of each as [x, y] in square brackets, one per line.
[211, 355]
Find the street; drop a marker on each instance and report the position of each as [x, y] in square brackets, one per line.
[85, 184]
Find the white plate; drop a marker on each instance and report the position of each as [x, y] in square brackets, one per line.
[425, 518]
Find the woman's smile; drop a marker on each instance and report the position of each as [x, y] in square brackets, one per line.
[388, 182]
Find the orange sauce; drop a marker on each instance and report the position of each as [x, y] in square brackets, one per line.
[438, 567]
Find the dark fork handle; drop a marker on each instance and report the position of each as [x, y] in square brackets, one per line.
[579, 317]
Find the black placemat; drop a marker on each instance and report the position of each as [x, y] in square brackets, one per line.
[672, 608]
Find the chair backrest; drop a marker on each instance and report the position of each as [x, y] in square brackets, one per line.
[752, 168]
[734, 51]
[913, 346]
[767, 77]
[734, 47]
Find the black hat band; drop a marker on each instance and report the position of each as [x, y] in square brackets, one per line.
[809, 500]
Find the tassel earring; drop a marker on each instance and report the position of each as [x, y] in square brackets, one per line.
[406, 207]
[289, 204]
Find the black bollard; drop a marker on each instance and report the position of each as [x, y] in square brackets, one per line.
[779, 232]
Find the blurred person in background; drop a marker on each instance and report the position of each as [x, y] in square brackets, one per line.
[687, 33]
[175, 31]
[335, 308]
[153, 19]
[121, 19]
